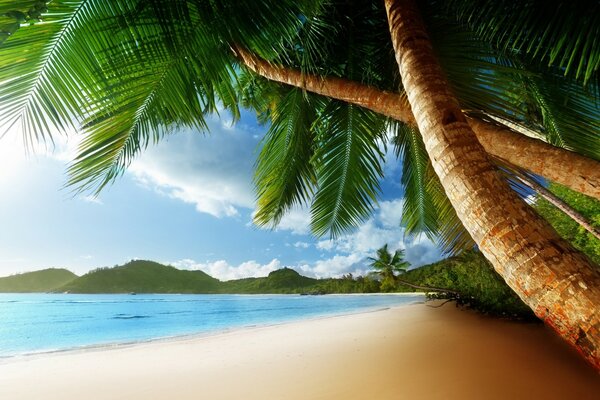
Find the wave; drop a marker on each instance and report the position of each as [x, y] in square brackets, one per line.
[173, 312]
[129, 316]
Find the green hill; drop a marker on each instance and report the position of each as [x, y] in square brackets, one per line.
[45, 280]
[143, 277]
[284, 280]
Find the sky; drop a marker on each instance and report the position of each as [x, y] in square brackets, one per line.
[187, 202]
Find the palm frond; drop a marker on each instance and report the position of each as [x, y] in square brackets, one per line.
[131, 71]
[37, 92]
[346, 38]
[562, 35]
[426, 210]
[419, 214]
[154, 106]
[13, 16]
[452, 238]
[284, 174]
[259, 94]
[153, 83]
[348, 164]
[570, 116]
[494, 82]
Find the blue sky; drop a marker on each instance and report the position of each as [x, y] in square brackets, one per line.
[188, 202]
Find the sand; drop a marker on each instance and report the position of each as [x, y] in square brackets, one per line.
[411, 352]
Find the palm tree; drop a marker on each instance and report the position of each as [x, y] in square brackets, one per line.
[127, 73]
[528, 151]
[504, 228]
[388, 265]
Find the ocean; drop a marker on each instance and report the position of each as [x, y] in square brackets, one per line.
[38, 323]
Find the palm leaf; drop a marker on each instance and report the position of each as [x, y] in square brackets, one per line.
[452, 238]
[491, 82]
[426, 210]
[37, 92]
[419, 214]
[284, 174]
[348, 164]
[562, 35]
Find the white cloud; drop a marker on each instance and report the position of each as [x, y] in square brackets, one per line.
[325, 245]
[301, 245]
[383, 228]
[390, 213]
[369, 237]
[335, 266]
[65, 147]
[212, 172]
[393, 165]
[347, 254]
[297, 221]
[224, 271]
[92, 199]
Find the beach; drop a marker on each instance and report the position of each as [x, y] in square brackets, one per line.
[407, 352]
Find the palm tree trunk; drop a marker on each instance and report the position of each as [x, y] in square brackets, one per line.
[560, 285]
[575, 171]
[558, 203]
[428, 288]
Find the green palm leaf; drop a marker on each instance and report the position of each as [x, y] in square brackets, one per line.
[491, 82]
[348, 164]
[452, 237]
[562, 35]
[419, 214]
[284, 173]
[387, 264]
[37, 91]
[427, 209]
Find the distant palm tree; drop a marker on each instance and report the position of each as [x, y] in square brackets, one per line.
[388, 265]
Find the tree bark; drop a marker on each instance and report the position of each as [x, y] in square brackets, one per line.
[560, 285]
[570, 169]
[558, 203]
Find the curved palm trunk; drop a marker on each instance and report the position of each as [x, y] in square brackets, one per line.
[428, 288]
[558, 283]
[577, 172]
[558, 203]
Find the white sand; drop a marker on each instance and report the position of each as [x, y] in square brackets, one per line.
[412, 352]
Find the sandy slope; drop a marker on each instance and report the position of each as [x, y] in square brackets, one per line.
[412, 352]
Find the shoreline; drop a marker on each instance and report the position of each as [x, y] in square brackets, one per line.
[192, 336]
[414, 352]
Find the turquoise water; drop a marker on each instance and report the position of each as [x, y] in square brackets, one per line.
[32, 323]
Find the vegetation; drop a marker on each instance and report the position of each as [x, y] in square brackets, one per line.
[152, 277]
[142, 277]
[285, 280]
[349, 284]
[45, 280]
[387, 265]
[475, 282]
[566, 227]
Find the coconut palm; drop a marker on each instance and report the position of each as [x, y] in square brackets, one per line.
[388, 265]
[127, 73]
